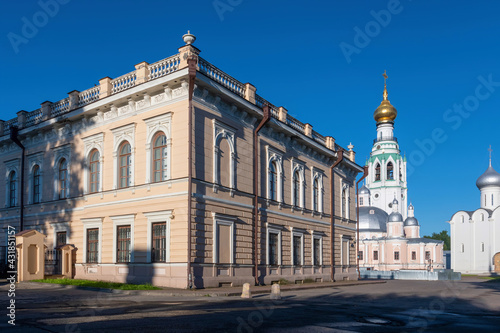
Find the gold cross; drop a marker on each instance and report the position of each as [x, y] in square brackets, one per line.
[385, 77]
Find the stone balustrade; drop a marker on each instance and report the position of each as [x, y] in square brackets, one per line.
[145, 72]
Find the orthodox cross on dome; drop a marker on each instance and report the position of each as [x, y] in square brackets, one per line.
[490, 150]
[385, 85]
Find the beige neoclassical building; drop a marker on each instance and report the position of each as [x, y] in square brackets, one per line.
[179, 175]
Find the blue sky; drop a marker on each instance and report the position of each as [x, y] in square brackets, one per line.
[437, 55]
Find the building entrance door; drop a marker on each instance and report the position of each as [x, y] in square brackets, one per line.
[496, 261]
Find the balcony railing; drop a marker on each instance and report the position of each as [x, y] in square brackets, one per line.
[385, 138]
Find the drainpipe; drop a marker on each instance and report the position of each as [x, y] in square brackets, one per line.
[267, 117]
[365, 173]
[192, 76]
[15, 139]
[340, 157]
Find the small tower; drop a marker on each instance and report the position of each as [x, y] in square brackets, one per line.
[411, 227]
[364, 197]
[395, 222]
[489, 185]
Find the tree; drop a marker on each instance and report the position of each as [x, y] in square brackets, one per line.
[443, 235]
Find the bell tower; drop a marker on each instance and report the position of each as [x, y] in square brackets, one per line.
[387, 168]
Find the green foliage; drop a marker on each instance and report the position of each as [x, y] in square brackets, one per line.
[100, 284]
[309, 281]
[283, 282]
[443, 236]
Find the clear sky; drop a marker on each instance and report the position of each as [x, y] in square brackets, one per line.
[322, 60]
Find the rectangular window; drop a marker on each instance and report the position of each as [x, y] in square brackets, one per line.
[360, 255]
[273, 248]
[396, 255]
[297, 250]
[361, 201]
[92, 245]
[158, 248]
[123, 246]
[427, 255]
[36, 188]
[375, 255]
[317, 251]
[60, 238]
[413, 255]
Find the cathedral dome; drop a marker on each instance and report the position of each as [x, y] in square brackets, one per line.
[395, 217]
[364, 190]
[489, 178]
[410, 221]
[385, 112]
[372, 219]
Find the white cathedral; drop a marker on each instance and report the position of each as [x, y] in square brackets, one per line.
[389, 233]
[475, 235]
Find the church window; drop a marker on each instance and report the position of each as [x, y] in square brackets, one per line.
[396, 255]
[377, 172]
[361, 201]
[360, 255]
[390, 171]
[482, 217]
[463, 248]
[492, 201]
[125, 165]
[400, 173]
[94, 170]
[375, 255]
[413, 255]
[427, 255]
[463, 219]
[482, 247]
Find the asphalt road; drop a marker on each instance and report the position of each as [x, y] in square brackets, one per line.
[396, 306]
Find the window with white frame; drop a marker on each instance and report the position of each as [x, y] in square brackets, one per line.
[92, 242]
[158, 148]
[273, 248]
[11, 186]
[298, 183]
[158, 235]
[62, 172]
[61, 232]
[223, 132]
[93, 163]
[317, 190]
[123, 156]
[317, 250]
[35, 163]
[223, 238]
[123, 238]
[274, 174]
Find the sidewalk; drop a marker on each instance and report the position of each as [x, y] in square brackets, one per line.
[212, 292]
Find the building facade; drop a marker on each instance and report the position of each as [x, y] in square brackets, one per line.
[179, 175]
[389, 233]
[475, 235]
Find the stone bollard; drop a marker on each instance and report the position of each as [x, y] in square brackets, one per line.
[275, 291]
[246, 291]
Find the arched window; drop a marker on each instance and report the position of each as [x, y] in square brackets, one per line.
[390, 171]
[125, 156]
[492, 201]
[63, 179]
[400, 172]
[159, 157]
[463, 219]
[296, 189]
[36, 184]
[273, 181]
[377, 172]
[463, 248]
[482, 217]
[316, 195]
[12, 189]
[94, 170]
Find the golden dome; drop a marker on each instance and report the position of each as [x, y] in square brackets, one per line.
[385, 112]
